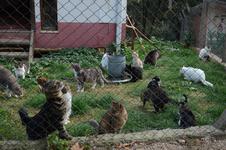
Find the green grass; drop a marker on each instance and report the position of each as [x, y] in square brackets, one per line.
[206, 103]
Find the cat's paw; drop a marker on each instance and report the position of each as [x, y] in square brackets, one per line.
[66, 137]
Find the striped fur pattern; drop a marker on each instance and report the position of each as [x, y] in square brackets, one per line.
[52, 115]
[113, 120]
[92, 75]
[66, 93]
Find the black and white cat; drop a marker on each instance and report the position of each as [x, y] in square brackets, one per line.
[104, 61]
[155, 82]
[92, 75]
[195, 75]
[187, 118]
[9, 83]
[21, 68]
[135, 72]
[204, 53]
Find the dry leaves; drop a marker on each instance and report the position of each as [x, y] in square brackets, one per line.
[126, 146]
[76, 147]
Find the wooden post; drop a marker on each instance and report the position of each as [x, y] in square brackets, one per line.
[133, 38]
[224, 52]
[31, 48]
[203, 26]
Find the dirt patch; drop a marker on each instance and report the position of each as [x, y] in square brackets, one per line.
[206, 143]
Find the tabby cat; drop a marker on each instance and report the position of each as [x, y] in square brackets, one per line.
[66, 93]
[21, 68]
[52, 115]
[136, 60]
[158, 97]
[113, 120]
[9, 83]
[135, 72]
[187, 118]
[87, 76]
[152, 57]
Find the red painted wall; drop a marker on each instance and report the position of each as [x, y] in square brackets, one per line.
[78, 34]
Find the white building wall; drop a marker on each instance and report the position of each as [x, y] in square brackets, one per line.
[87, 11]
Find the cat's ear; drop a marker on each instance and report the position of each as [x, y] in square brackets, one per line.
[15, 61]
[113, 102]
[137, 52]
[180, 105]
[180, 68]
[187, 108]
[21, 86]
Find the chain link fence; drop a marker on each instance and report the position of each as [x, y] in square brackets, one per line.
[55, 34]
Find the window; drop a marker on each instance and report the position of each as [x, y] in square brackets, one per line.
[48, 15]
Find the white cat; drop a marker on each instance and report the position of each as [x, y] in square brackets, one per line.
[204, 53]
[21, 68]
[104, 60]
[195, 75]
[68, 96]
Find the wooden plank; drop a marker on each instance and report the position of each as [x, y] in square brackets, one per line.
[21, 42]
[11, 49]
[47, 49]
[15, 54]
[31, 48]
[15, 31]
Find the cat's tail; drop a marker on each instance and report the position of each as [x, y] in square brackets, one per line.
[105, 80]
[69, 80]
[24, 116]
[206, 83]
[94, 123]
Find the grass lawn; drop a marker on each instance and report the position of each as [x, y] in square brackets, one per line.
[205, 102]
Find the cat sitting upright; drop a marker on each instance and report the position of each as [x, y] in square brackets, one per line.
[113, 120]
[104, 61]
[21, 68]
[136, 60]
[135, 72]
[187, 118]
[155, 82]
[195, 75]
[204, 53]
[66, 93]
[152, 57]
[92, 75]
[9, 83]
[52, 115]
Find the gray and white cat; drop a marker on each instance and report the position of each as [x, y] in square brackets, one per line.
[21, 68]
[204, 53]
[9, 83]
[136, 60]
[92, 75]
[195, 75]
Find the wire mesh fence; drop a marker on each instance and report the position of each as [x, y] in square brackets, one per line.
[96, 66]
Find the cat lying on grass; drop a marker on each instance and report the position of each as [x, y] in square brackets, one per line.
[194, 75]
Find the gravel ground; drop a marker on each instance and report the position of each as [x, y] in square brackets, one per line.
[206, 143]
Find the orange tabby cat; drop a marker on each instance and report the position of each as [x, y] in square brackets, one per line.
[113, 120]
[136, 60]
